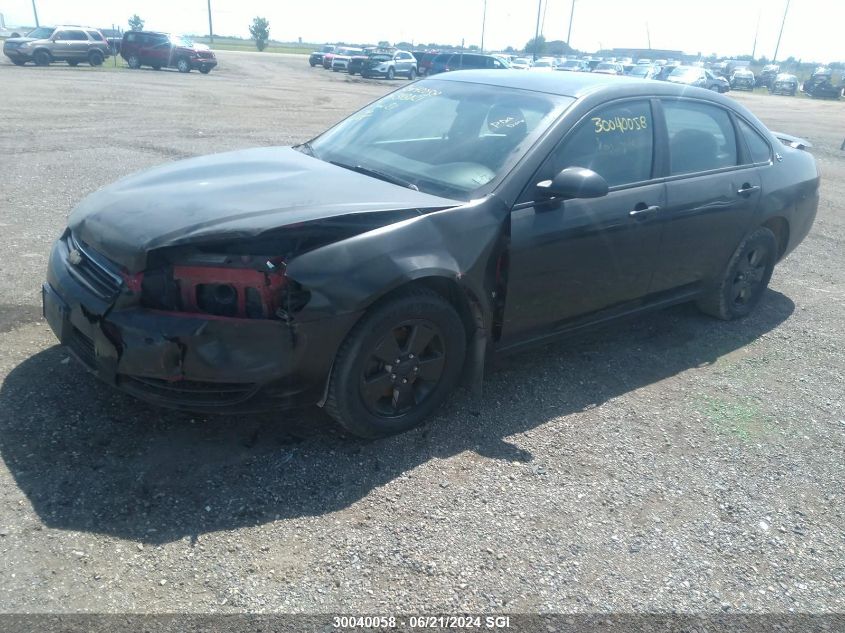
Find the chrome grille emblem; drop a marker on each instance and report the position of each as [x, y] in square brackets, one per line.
[74, 257]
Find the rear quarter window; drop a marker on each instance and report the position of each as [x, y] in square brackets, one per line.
[757, 145]
[95, 35]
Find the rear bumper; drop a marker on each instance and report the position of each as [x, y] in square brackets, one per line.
[189, 361]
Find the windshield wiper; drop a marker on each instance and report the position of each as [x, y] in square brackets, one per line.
[375, 173]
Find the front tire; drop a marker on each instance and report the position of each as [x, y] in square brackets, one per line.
[72, 62]
[42, 58]
[95, 58]
[412, 74]
[183, 65]
[745, 279]
[18, 62]
[398, 364]
[134, 62]
[391, 73]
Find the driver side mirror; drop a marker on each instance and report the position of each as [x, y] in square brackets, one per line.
[571, 183]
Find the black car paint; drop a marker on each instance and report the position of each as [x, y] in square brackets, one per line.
[499, 255]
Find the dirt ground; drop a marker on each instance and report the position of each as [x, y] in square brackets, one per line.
[674, 463]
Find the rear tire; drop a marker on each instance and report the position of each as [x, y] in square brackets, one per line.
[73, 63]
[134, 62]
[183, 65]
[412, 74]
[18, 62]
[95, 58]
[745, 278]
[156, 67]
[205, 71]
[370, 394]
[42, 58]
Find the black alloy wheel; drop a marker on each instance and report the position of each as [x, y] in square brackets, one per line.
[397, 365]
[403, 369]
[745, 279]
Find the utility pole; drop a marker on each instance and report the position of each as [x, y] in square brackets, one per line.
[648, 35]
[777, 46]
[569, 32]
[756, 32]
[483, 24]
[537, 30]
[210, 28]
[35, 11]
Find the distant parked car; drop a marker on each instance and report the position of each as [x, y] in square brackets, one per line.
[544, 64]
[609, 68]
[520, 63]
[390, 65]
[742, 79]
[768, 75]
[356, 62]
[467, 61]
[700, 77]
[575, 65]
[784, 83]
[342, 57]
[820, 85]
[71, 44]
[643, 71]
[316, 58]
[162, 50]
[424, 64]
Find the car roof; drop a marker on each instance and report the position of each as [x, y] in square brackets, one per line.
[579, 85]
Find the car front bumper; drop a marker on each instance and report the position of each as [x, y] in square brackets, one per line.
[190, 361]
[17, 54]
[202, 63]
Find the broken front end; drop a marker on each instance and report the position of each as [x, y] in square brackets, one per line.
[201, 328]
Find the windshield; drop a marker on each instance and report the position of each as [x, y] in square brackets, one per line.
[571, 64]
[446, 138]
[542, 64]
[520, 60]
[41, 33]
[640, 71]
[605, 67]
[181, 40]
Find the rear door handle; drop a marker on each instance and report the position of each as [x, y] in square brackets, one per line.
[641, 211]
[747, 189]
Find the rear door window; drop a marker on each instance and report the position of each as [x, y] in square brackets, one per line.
[76, 35]
[95, 35]
[701, 137]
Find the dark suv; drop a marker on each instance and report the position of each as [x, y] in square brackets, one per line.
[161, 50]
[465, 61]
[71, 44]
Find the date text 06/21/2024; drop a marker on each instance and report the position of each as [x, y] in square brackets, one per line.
[422, 622]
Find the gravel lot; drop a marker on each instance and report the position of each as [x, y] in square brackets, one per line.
[673, 463]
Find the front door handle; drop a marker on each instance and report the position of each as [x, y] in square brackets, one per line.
[642, 211]
[747, 189]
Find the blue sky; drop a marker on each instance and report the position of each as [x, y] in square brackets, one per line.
[813, 29]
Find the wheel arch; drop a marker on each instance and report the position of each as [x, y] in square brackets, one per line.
[780, 227]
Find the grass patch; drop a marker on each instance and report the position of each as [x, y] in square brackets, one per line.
[742, 420]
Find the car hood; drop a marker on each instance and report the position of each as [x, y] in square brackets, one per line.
[230, 196]
[19, 40]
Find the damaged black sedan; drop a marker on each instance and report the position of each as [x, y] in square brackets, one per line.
[374, 268]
